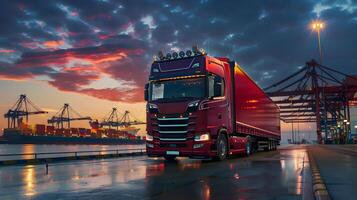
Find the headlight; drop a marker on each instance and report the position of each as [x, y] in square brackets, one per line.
[152, 106]
[203, 137]
[149, 138]
[193, 104]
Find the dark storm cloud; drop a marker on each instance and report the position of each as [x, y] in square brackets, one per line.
[75, 43]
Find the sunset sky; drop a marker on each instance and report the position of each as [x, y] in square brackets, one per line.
[95, 54]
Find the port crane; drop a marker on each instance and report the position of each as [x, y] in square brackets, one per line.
[22, 108]
[125, 120]
[64, 116]
[113, 120]
[317, 94]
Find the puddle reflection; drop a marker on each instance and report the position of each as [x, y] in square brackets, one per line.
[29, 178]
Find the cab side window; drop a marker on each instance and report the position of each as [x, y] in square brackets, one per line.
[215, 86]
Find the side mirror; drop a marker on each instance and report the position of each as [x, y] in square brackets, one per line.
[218, 89]
[146, 92]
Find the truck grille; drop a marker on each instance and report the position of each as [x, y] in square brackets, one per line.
[173, 128]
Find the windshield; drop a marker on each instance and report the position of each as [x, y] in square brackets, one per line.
[176, 89]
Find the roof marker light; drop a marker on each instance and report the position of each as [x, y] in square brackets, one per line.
[195, 49]
[156, 58]
[168, 56]
[188, 53]
[182, 54]
[174, 55]
[161, 55]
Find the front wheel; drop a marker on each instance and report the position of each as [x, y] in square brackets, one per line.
[222, 147]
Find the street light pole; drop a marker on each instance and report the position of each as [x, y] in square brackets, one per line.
[319, 41]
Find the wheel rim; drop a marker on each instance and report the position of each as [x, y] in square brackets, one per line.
[222, 148]
[248, 149]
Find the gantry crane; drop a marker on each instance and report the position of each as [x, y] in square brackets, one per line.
[318, 94]
[22, 108]
[64, 116]
[128, 120]
[113, 120]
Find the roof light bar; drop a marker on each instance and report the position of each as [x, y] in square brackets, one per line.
[175, 55]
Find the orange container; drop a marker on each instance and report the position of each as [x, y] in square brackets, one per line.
[50, 130]
[74, 132]
[26, 131]
[40, 129]
[82, 132]
[59, 132]
[67, 132]
[88, 132]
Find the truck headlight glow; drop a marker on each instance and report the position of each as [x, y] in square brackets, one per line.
[202, 137]
[152, 106]
[193, 104]
[149, 138]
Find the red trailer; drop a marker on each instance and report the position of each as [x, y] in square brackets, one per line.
[202, 106]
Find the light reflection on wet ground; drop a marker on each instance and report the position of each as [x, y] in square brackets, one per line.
[265, 175]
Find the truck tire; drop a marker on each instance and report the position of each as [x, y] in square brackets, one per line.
[275, 144]
[248, 147]
[270, 145]
[222, 147]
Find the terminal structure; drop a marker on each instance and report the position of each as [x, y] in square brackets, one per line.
[317, 94]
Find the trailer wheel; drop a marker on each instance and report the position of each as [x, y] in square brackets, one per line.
[248, 148]
[222, 147]
[270, 145]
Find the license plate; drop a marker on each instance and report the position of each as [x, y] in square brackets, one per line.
[175, 153]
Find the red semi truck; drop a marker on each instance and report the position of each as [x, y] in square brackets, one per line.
[200, 106]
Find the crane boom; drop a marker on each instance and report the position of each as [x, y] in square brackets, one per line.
[65, 115]
[22, 108]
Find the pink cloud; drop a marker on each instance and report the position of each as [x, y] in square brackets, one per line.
[53, 44]
[73, 70]
[7, 51]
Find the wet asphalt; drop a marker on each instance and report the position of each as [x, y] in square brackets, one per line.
[278, 174]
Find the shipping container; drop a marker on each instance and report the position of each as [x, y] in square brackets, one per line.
[40, 129]
[50, 130]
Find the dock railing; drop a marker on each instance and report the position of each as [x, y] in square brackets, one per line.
[70, 154]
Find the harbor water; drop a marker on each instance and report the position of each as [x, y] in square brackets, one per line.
[49, 148]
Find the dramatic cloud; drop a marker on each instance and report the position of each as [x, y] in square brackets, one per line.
[74, 45]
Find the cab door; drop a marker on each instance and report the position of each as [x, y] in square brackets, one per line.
[218, 112]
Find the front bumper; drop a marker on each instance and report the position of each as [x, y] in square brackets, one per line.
[204, 149]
